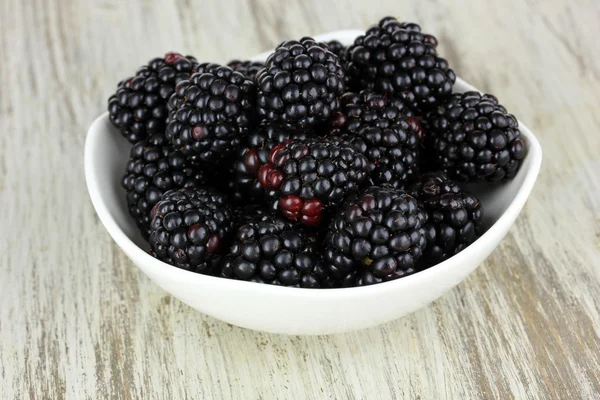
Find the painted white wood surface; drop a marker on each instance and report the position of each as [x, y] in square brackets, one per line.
[77, 319]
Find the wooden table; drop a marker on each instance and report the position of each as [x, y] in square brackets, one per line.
[78, 320]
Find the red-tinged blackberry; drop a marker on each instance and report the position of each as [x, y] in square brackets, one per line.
[378, 235]
[191, 229]
[153, 169]
[474, 138]
[210, 113]
[247, 68]
[139, 107]
[308, 176]
[454, 216]
[396, 58]
[385, 131]
[300, 85]
[256, 153]
[269, 249]
[337, 48]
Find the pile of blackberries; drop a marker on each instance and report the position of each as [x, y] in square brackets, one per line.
[325, 166]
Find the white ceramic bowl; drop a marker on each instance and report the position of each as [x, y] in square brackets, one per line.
[291, 310]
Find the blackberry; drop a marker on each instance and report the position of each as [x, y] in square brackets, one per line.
[385, 131]
[454, 216]
[210, 113]
[308, 176]
[397, 59]
[300, 85]
[190, 229]
[270, 249]
[337, 48]
[474, 138]
[247, 68]
[154, 168]
[256, 153]
[377, 236]
[139, 107]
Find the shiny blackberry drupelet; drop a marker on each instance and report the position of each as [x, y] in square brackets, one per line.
[300, 85]
[247, 68]
[139, 107]
[473, 138]
[153, 169]
[385, 131]
[337, 48]
[397, 59]
[256, 153]
[306, 177]
[191, 229]
[378, 235]
[269, 249]
[454, 216]
[211, 113]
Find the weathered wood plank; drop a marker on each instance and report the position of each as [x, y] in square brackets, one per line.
[77, 319]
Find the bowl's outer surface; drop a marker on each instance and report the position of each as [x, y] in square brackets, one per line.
[290, 310]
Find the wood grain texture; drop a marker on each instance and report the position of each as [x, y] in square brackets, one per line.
[78, 320]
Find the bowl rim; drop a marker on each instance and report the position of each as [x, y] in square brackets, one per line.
[160, 268]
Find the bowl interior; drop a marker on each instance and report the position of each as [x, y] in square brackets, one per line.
[116, 149]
